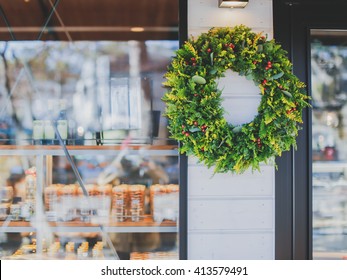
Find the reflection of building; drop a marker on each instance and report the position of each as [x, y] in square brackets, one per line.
[81, 74]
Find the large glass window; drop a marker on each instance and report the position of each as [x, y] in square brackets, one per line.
[329, 100]
[87, 169]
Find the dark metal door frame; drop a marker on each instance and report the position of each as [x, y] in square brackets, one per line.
[183, 160]
[293, 21]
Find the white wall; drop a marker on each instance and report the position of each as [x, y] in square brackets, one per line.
[231, 216]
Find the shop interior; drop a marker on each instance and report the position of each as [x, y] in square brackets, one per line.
[86, 167]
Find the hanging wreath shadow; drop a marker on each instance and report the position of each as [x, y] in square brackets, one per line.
[194, 104]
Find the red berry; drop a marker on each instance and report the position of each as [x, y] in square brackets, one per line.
[208, 50]
[195, 94]
[280, 87]
[264, 82]
[203, 149]
[193, 59]
[196, 123]
[193, 63]
[183, 126]
[231, 45]
[183, 132]
[266, 68]
[255, 62]
[187, 134]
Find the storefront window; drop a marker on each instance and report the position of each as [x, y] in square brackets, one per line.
[87, 169]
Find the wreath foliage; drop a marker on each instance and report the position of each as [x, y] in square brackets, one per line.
[194, 104]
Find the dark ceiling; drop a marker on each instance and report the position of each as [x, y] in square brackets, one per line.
[88, 19]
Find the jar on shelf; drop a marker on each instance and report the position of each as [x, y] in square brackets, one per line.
[82, 250]
[51, 196]
[104, 202]
[136, 202]
[164, 200]
[6, 194]
[67, 202]
[70, 251]
[120, 197]
[15, 212]
[4, 210]
[97, 251]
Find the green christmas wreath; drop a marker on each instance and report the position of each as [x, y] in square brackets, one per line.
[193, 101]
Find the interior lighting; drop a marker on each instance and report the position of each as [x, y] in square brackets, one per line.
[137, 29]
[232, 3]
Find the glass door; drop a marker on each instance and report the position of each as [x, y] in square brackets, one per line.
[329, 143]
[311, 214]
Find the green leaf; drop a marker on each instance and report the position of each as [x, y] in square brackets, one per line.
[199, 80]
[260, 48]
[237, 129]
[277, 76]
[213, 71]
[269, 46]
[194, 129]
[287, 93]
[249, 77]
[211, 57]
[268, 118]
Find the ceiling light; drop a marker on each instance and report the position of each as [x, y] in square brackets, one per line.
[232, 3]
[137, 29]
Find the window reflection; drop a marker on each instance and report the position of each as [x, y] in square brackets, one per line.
[329, 93]
[101, 85]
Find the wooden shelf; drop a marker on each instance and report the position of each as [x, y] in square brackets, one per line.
[329, 166]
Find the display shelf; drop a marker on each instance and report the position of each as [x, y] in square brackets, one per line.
[329, 223]
[42, 159]
[338, 196]
[146, 225]
[329, 166]
[16, 227]
[330, 255]
[55, 150]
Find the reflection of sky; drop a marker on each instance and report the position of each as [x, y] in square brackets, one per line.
[29, 49]
[73, 53]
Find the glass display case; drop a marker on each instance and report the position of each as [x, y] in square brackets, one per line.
[86, 167]
[125, 202]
